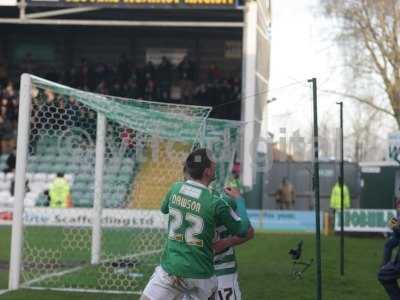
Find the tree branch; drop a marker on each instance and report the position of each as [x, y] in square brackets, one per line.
[382, 69]
[378, 41]
[361, 100]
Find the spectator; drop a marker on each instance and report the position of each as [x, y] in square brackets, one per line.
[236, 98]
[234, 180]
[186, 75]
[123, 69]
[201, 95]
[335, 200]
[12, 186]
[143, 82]
[224, 96]
[164, 76]
[150, 89]
[102, 88]
[3, 73]
[59, 192]
[70, 77]
[214, 73]
[128, 141]
[130, 89]
[389, 272]
[110, 73]
[116, 89]
[99, 73]
[285, 195]
[7, 137]
[186, 91]
[186, 69]
[14, 103]
[85, 77]
[150, 70]
[9, 92]
[10, 162]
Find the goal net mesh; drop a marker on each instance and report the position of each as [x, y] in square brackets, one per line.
[144, 148]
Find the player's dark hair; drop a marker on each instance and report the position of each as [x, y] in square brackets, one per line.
[197, 162]
[60, 174]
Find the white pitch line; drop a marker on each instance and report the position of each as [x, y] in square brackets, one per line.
[83, 290]
[76, 269]
[3, 291]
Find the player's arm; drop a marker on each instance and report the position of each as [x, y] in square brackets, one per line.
[236, 223]
[223, 244]
[234, 193]
[165, 203]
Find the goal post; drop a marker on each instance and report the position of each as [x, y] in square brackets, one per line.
[98, 187]
[105, 146]
[20, 173]
[119, 157]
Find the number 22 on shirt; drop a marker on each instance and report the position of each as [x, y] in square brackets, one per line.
[191, 232]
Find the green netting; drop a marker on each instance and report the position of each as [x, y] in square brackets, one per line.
[168, 121]
[136, 175]
[223, 138]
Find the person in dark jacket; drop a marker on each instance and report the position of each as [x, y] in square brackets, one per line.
[389, 272]
[10, 162]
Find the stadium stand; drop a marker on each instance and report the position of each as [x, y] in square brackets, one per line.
[43, 168]
[164, 82]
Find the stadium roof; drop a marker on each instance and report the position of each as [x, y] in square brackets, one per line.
[123, 17]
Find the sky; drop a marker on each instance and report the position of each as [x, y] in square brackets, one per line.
[302, 47]
[298, 53]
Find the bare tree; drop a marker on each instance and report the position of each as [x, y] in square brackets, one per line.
[368, 32]
[365, 139]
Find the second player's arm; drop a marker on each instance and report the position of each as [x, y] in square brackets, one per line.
[223, 244]
[236, 223]
[165, 203]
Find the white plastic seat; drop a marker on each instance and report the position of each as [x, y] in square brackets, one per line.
[5, 185]
[5, 199]
[50, 177]
[30, 176]
[40, 177]
[30, 199]
[70, 178]
[38, 186]
[9, 176]
[2, 176]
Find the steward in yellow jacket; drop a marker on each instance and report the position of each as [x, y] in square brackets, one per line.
[59, 192]
[335, 197]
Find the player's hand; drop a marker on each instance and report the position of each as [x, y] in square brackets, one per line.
[393, 223]
[232, 192]
[221, 245]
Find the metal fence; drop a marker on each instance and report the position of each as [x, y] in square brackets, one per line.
[299, 174]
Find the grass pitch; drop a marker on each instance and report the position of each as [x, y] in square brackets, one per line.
[264, 270]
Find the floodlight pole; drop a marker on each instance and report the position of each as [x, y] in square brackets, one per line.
[341, 183]
[316, 191]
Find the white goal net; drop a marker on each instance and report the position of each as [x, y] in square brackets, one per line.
[119, 157]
